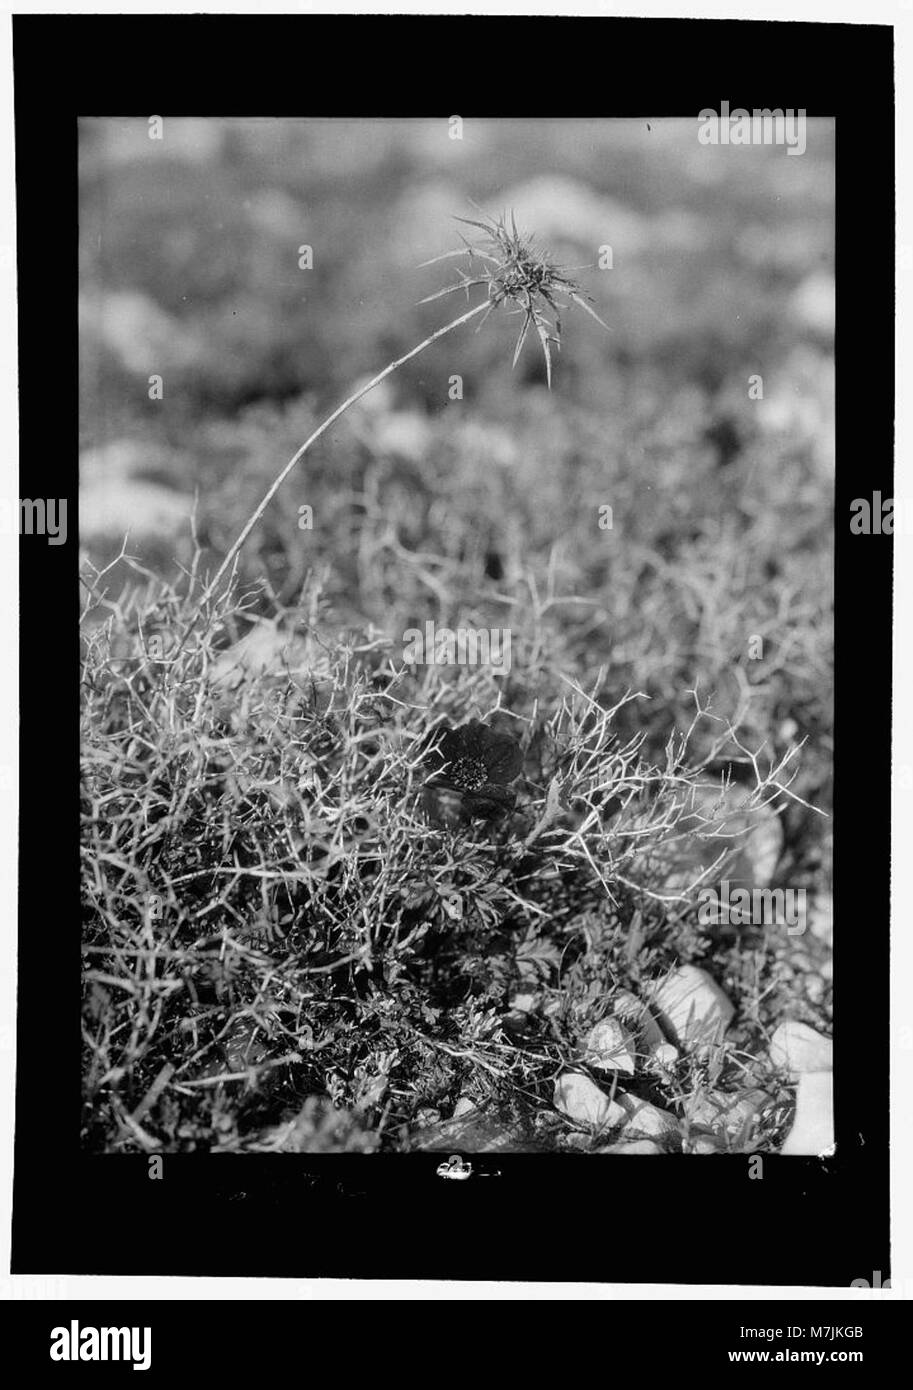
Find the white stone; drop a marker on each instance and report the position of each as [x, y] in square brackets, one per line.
[645, 1120]
[148, 511]
[610, 1047]
[637, 1016]
[693, 1009]
[704, 1144]
[578, 1097]
[813, 1127]
[633, 1146]
[797, 1048]
[576, 1140]
[268, 649]
[764, 845]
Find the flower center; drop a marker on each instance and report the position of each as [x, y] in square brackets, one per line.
[468, 774]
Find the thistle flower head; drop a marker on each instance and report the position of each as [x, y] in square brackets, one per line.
[470, 769]
[520, 274]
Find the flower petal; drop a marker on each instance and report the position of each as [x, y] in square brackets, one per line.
[503, 758]
[489, 802]
[474, 738]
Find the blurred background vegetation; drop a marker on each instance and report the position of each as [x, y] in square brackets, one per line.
[480, 511]
[722, 269]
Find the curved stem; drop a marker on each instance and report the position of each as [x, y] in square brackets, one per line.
[340, 410]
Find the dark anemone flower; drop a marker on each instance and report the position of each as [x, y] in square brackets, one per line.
[470, 768]
[520, 275]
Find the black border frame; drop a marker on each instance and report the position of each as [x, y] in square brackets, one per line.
[809, 1221]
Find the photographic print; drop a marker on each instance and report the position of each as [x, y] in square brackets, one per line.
[468, 509]
[456, 556]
